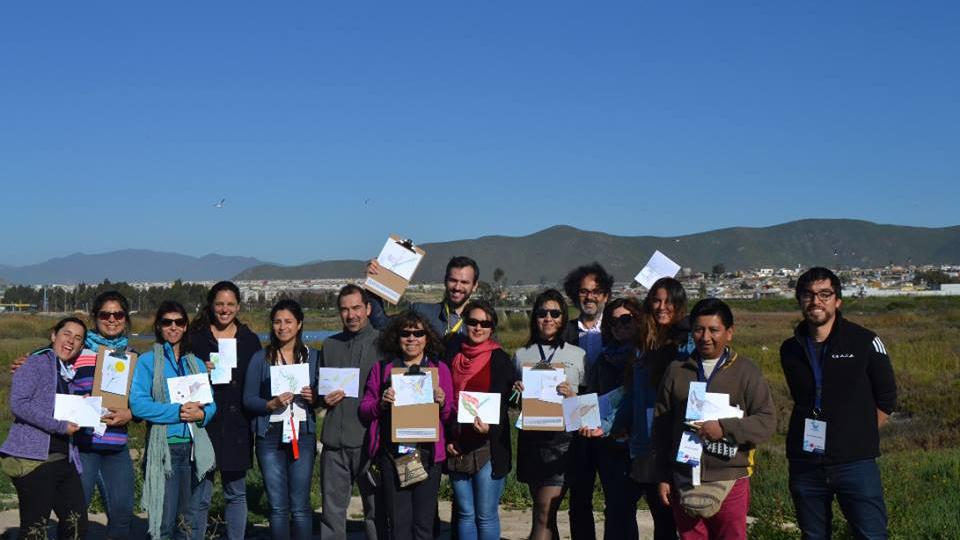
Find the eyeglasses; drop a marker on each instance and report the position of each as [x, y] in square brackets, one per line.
[167, 323]
[481, 324]
[596, 293]
[107, 315]
[824, 295]
[624, 319]
[413, 333]
[553, 313]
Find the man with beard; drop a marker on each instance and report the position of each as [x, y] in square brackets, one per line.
[460, 281]
[343, 460]
[843, 390]
[588, 287]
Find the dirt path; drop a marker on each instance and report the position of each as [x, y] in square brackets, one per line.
[515, 524]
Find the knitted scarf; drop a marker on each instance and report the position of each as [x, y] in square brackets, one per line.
[158, 450]
[470, 361]
[95, 340]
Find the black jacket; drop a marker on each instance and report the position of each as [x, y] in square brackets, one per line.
[229, 430]
[857, 380]
[502, 374]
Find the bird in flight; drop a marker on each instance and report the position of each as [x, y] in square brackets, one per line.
[219, 204]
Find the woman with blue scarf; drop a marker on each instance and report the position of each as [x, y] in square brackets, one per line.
[104, 452]
[179, 452]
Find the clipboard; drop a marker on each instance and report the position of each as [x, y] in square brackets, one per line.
[537, 408]
[109, 399]
[388, 284]
[415, 422]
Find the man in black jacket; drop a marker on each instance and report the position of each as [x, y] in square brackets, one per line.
[843, 389]
[588, 287]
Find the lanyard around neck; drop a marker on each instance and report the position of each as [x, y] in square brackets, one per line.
[456, 327]
[701, 374]
[816, 365]
[543, 356]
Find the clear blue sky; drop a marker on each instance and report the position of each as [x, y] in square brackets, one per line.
[327, 125]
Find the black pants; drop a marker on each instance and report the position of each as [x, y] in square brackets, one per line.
[580, 479]
[56, 486]
[410, 511]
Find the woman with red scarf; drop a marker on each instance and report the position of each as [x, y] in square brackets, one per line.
[478, 454]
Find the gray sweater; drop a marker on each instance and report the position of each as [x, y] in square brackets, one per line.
[569, 356]
[341, 424]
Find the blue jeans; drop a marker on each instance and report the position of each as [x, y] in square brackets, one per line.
[857, 488]
[477, 496]
[235, 503]
[112, 472]
[180, 496]
[287, 482]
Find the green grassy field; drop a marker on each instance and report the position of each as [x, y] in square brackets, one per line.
[921, 461]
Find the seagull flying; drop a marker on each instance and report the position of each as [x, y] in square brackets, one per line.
[219, 204]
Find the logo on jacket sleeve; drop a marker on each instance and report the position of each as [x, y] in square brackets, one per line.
[878, 346]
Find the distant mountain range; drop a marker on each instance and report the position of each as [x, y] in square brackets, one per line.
[127, 265]
[546, 256]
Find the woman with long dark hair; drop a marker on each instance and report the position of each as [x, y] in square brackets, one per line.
[179, 452]
[408, 340]
[478, 454]
[39, 454]
[285, 454]
[104, 452]
[543, 456]
[663, 337]
[230, 428]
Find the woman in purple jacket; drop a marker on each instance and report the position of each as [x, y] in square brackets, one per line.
[39, 455]
[407, 341]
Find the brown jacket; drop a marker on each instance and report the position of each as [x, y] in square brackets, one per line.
[744, 381]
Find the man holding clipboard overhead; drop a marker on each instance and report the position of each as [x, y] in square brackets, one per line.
[460, 280]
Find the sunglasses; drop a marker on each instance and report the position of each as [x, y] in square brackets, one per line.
[413, 333]
[553, 313]
[481, 324]
[624, 319]
[107, 315]
[167, 323]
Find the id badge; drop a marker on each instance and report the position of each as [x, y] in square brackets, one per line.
[288, 430]
[814, 436]
[690, 449]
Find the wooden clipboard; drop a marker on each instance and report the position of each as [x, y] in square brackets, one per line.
[109, 399]
[387, 284]
[537, 408]
[414, 418]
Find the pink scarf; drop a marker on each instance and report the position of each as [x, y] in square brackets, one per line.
[470, 361]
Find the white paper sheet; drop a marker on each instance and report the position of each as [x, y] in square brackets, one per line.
[331, 379]
[82, 411]
[581, 411]
[412, 389]
[190, 388]
[227, 349]
[482, 404]
[703, 406]
[115, 374]
[398, 259]
[221, 372]
[289, 378]
[657, 267]
[542, 384]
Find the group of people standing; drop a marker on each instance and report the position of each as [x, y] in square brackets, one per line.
[647, 353]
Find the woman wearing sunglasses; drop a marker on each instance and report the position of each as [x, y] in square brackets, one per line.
[179, 452]
[285, 455]
[478, 454]
[39, 453]
[408, 340]
[105, 457]
[542, 456]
